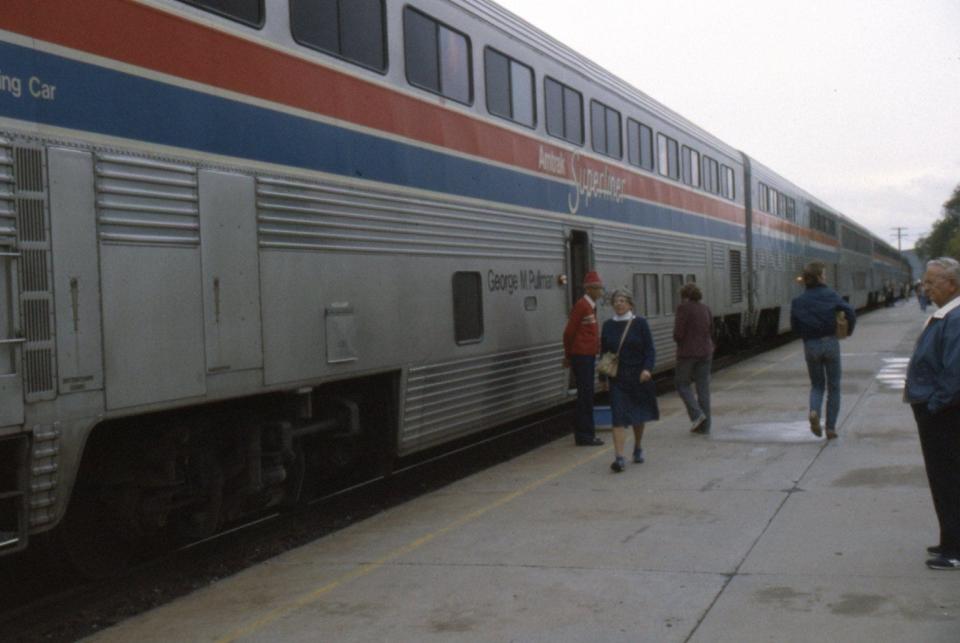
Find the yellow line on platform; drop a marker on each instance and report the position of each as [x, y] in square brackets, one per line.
[368, 568]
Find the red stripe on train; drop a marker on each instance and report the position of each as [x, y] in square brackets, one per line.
[147, 37]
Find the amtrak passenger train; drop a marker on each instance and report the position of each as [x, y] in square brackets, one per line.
[250, 246]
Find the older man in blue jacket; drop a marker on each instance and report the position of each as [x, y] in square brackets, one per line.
[813, 316]
[933, 391]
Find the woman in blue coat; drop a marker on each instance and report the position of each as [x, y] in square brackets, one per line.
[633, 397]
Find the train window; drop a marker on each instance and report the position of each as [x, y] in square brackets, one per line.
[467, 307]
[639, 144]
[437, 57]
[647, 294]
[669, 161]
[605, 132]
[728, 185]
[762, 193]
[691, 166]
[671, 293]
[691, 279]
[790, 209]
[354, 30]
[781, 204]
[711, 175]
[249, 12]
[564, 109]
[510, 92]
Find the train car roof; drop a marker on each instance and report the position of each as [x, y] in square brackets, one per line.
[515, 26]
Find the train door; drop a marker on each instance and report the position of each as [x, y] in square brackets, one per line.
[11, 383]
[578, 263]
[231, 281]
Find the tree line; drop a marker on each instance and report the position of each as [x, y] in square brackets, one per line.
[944, 238]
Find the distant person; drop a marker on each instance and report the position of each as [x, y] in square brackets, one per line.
[813, 316]
[581, 340]
[633, 397]
[693, 333]
[933, 391]
[922, 298]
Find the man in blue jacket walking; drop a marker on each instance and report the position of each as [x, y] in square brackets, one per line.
[813, 316]
[933, 391]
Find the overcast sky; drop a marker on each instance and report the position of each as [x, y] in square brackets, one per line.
[856, 101]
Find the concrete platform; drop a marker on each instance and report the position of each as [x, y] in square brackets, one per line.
[759, 532]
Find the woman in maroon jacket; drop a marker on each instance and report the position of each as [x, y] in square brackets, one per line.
[693, 333]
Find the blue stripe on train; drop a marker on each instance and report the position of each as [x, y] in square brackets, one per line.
[96, 99]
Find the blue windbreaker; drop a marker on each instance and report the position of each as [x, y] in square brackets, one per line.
[814, 313]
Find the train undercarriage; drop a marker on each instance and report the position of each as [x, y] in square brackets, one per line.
[158, 481]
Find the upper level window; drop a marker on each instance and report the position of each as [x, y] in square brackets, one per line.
[711, 175]
[510, 91]
[639, 144]
[728, 186]
[691, 166]
[249, 12]
[605, 129]
[564, 106]
[668, 151]
[790, 211]
[437, 57]
[350, 29]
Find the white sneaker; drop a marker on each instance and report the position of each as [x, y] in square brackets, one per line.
[697, 422]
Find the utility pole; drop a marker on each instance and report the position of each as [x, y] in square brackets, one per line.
[900, 234]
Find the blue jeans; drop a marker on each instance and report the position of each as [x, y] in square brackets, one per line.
[823, 366]
[583, 375]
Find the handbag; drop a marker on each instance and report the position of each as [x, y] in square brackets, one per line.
[843, 326]
[607, 366]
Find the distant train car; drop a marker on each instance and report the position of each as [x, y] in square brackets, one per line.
[250, 248]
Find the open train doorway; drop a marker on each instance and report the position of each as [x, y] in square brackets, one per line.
[578, 264]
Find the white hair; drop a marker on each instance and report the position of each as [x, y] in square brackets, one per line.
[950, 267]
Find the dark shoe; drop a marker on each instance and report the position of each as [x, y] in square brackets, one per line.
[701, 430]
[618, 465]
[815, 423]
[935, 550]
[831, 435]
[638, 455]
[698, 423]
[943, 562]
[595, 442]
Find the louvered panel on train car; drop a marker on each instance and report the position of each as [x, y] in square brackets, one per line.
[306, 216]
[455, 397]
[649, 248]
[11, 383]
[34, 270]
[149, 235]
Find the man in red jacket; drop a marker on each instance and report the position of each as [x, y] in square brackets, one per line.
[581, 342]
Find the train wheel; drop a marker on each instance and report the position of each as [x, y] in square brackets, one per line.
[93, 535]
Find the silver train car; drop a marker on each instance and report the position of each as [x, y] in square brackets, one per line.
[248, 249]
